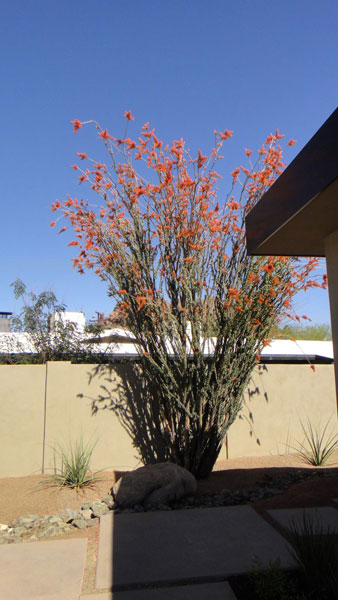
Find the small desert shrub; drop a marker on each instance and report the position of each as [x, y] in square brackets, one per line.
[75, 468]
[318, 447]
[315, 551]
[270, 582]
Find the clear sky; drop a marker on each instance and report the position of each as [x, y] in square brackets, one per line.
[187, 66]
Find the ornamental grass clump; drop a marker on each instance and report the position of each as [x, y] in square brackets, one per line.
[271, 582]
[75, 468]
[315, 550]
[172, 251]
[319, 446]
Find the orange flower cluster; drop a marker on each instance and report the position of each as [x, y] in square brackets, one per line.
[77, 125]
[167, 233]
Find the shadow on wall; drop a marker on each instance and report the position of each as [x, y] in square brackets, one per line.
[124, 391]
[253, 392]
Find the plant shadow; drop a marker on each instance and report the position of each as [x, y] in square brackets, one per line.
[125, 393]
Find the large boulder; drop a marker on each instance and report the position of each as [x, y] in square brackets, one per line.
[162, 483]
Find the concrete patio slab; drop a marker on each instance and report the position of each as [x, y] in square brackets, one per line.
[184, 546]
[326, 515]
[204, 591]
[50, 570]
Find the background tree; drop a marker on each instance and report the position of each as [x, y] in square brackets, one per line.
[198, 306]
[52, 337]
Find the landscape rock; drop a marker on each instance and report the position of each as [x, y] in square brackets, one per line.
[68, 515]
[27, 520]
[109, 501]
[80, 523]
[86, 513]
[50, 531]
[55, 520]
[18, 531]
[161, 483]
[92, 522]
[99, 509]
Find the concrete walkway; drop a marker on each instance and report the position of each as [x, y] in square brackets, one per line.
[180, 546]
[42, 570]
[167, 555]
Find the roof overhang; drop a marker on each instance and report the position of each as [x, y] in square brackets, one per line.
[301, 207]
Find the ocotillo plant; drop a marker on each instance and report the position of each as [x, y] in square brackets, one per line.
[199, 307]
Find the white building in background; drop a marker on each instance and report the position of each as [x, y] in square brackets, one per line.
[15, 342]
[78, 318]
[278, 350]
[118, 343]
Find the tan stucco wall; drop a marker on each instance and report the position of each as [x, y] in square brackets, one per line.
[279, 397]
[22, 390]
[68, 416]
[286, 393]
[71, 390]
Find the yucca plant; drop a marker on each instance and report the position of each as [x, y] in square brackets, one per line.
[318, 447]
[315, 550]
[75, 468]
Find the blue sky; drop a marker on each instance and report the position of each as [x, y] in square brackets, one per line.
[187, 66]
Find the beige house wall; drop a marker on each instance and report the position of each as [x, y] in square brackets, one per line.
[277, 399]
[22, 390]
[44, 407]
[71, 392]
[47, 406]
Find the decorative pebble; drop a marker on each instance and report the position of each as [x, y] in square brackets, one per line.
[86, 513]
[92, 522]
[68, 515]
[109, 501]
[31, 527]
[27, 520]
[80, 523]
[99, 509]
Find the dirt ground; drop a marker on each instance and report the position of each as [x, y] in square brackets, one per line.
[244, 473]
[22, 495]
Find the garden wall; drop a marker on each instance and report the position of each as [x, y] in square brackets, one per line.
[43, 406]
[278, 397]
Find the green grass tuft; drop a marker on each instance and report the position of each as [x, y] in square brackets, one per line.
[315, 551]
[270, 582]
[75, 468]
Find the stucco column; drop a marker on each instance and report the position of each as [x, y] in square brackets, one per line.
[331, 252]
